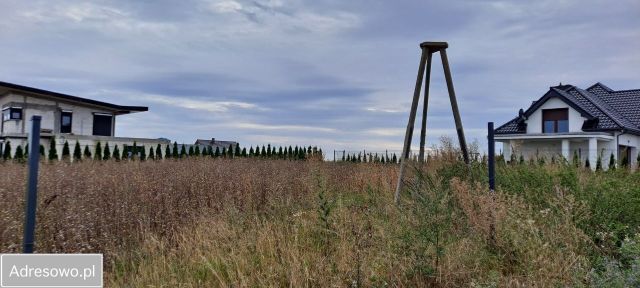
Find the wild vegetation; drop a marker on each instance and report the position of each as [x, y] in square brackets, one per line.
[203, 222]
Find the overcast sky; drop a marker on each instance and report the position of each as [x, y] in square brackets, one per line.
[338, 74]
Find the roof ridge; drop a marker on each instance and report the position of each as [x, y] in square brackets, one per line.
[605, 87]
[626, 90]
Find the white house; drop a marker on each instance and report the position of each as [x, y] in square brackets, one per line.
[65, 117]
[567, 121]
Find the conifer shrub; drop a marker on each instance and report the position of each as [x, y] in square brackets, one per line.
[106, 154]
[19, 155]
[41, 150]
[87, 152]
[97, 155]
[77, 152]
[53, 152]
[174, 151]
[158, 152]
[65, 151]
[612, 162]
[6, 153]
[183, 151]
[143, 154]
[116, 153]
[152, 156]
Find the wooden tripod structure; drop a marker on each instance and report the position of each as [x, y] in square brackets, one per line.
[428, 48]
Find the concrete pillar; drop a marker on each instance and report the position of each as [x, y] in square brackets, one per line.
[593, 153]
[565, 149]
[506, 150]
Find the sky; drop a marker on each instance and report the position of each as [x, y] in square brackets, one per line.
[336, 74]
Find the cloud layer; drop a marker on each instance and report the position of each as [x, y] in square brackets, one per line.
[334, 73]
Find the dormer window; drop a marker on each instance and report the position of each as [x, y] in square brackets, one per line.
[555, 120]
[12, 113]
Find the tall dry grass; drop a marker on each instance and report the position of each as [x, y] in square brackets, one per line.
[248, 222]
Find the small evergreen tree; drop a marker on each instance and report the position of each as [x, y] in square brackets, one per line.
[587, 164]
[224, 152]
[576, 159]
[217, 153]
[175, 150]
[159, 152]
[116, 153]
[143, 154]
[244, 152]
[237, 152]
[251, 151]
[599, 163]
[209, 151]
[167, 152]
[268, 150]
[77, 152]
[106, 154]
[521, 159]
[152, 156]
[612, 162]
[87, 152]
[230, 151]
[183, 152]
[65, 151]
[6, 154]
[26, 151]
[53, 152]
[42, 150]
[97, 155]
[191, 152]
[134, 151]
[280, 155]
[196, 151]
[19, 155]
[395, 158]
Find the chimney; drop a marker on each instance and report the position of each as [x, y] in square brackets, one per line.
[213, 140]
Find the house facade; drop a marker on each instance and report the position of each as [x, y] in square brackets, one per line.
[64, 117]
[577, 124]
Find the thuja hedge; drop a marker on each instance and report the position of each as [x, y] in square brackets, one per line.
[104, 152]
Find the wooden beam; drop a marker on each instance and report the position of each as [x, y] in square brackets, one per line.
[412, 117]
[423, 131]
[454, 105]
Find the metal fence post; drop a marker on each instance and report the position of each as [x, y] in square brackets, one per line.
[32, 185]
[492, 163]
[492, 183]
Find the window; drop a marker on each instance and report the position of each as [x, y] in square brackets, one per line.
[555, 120]
[13, 113]
[65, 122]
[102, 124]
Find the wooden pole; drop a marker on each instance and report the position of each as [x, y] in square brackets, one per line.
[423, 131]
[454, 105]
[412, 118]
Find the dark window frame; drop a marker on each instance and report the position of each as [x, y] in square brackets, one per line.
[13, 110]
[555, 116]
[101, 129]
[66, 128]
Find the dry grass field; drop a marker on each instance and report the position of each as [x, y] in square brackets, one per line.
[204, 222]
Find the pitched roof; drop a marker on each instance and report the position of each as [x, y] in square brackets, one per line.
[119, 109]
[604, 108]
[215, 143]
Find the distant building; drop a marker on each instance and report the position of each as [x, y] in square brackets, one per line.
[65, 117]
[569, 122]
[213, 143]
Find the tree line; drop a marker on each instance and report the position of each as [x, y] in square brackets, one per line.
[171, 151]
